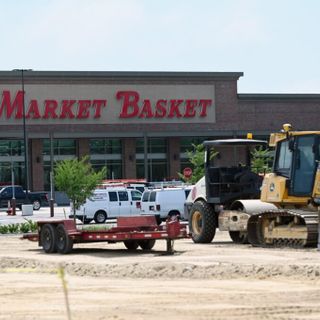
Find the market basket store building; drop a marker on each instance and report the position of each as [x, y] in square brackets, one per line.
[137, 124]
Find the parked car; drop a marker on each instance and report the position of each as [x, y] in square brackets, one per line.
[37, 199]
[165, 202]
[109, 203]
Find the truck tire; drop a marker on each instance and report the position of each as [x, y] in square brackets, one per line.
[202, 222]
[147, 244]
[131, 244]
[239, 237]
[64, 242]
[100, 216]
[48, 238]
[36, 205]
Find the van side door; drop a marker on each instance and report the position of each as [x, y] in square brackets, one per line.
[135, 202]
[113, 204]
[144, 201]
[124, 203]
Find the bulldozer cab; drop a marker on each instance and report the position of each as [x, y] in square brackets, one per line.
[229, 175]
[297, 159]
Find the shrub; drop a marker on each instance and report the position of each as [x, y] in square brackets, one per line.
[24, 227]
[13, 227]
[4, 229]
[33, 226]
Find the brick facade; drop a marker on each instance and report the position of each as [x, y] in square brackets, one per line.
[129, 158]
[36, 164]
[174, 157]
[235, 114]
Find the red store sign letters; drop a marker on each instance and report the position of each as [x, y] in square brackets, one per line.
[131, 106]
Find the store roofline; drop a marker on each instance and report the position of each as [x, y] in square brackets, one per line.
[34, 74]
[171, 134]
[278, 96]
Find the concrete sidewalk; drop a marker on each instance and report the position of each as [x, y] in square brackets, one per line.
[43, 213]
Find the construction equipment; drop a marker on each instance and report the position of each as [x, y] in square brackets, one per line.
[215, 199]
[294, 188]
[288, 209]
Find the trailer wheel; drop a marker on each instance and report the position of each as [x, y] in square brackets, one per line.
[100, 216]
[158, 219]
[202, 222]
[36, 205]
[131, 244]
[174, 214]
[147, 244]
[64, 242]
[48, 238]
[239, 237]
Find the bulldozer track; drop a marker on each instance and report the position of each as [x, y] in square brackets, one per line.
[309, 219]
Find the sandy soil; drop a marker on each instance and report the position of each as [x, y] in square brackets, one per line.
[220, 280]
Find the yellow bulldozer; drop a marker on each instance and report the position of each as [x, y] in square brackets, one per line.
[294, 188]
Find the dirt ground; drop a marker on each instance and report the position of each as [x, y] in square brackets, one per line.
[220, 280]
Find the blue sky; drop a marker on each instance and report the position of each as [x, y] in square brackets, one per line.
[275, 43]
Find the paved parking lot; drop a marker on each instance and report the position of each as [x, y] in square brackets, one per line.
[43, 213]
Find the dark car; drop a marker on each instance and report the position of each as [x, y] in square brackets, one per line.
[37, 199]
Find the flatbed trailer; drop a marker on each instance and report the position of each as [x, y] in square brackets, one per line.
[60, 235]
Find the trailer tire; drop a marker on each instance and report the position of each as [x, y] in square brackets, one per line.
[48, 238]
[131, 244]
[64, 242]
[202, 222]
[174, 214]
[36, 204]
[147, 244]
[100, 216]
[158, 219]
[240, 237]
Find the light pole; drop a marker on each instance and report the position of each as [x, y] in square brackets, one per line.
[13, 203]
[25, 137]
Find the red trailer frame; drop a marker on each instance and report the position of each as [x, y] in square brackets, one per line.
[60, 235]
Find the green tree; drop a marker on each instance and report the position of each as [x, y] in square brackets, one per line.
[196, 158]
[77, 179]
[260, 160]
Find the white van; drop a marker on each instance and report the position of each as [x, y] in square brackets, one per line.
[110, 203]
[165, 202]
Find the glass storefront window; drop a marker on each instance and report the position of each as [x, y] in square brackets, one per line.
[155, 145]
[11, 147]
[5, 173]
[107, 153]
[114, 167]
[157, 159]
[12, 157]
[139, 145]
[157, 169]
[60, 146]
[105, 146]
[185, 146]
[186, 143]
[62, 149]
